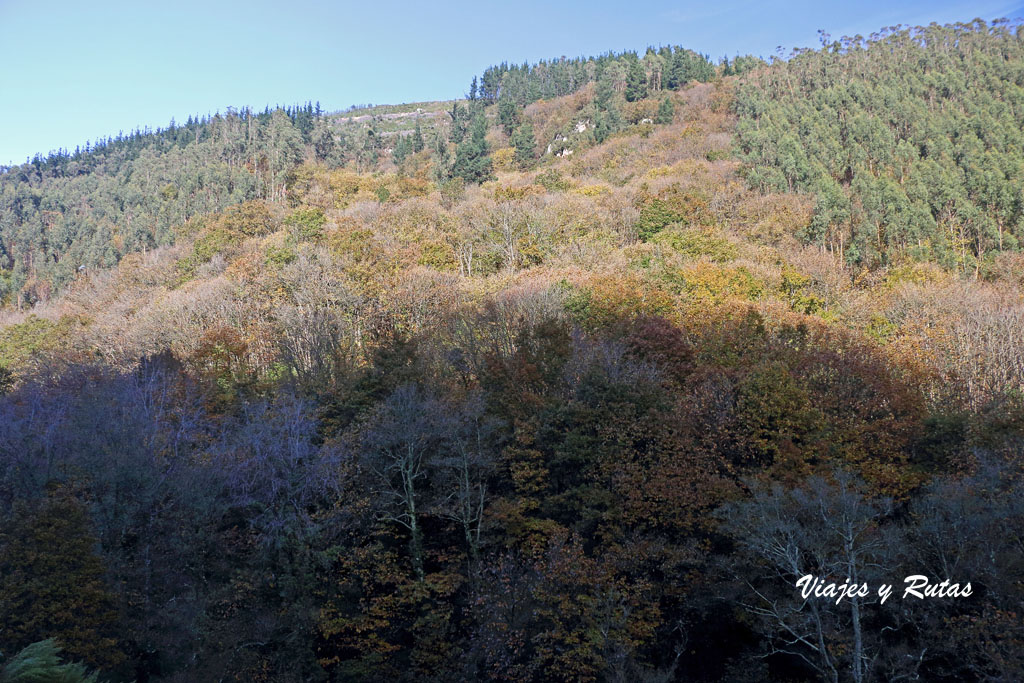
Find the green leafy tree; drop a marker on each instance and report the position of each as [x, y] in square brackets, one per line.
[323, 140]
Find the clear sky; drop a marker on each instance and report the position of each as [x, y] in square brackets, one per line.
[72, 71]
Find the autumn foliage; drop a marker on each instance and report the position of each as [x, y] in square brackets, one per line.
[577, 422]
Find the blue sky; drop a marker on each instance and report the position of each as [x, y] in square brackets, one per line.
[72, 71]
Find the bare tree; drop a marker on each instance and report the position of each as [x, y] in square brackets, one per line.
[829, 531]
[406, 431]
[431, 457]
[464, 468]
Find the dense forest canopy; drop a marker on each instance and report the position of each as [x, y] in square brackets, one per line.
[911, 140]
[89, 208]
[569, 380]
[664, 67]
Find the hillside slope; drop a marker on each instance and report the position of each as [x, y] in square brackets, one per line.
[911, 140]
[587, 418]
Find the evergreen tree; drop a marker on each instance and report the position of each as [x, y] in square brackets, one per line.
[472, 162]
[458, 116]
[607, 118]
[666, 110]
[441, 160]
[525, 144]
[417, 138]
[918, 170]
[636, 81]
[490, 84]
[402, 149]
[509, 114]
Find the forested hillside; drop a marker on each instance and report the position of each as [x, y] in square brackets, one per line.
[67, 211]
[911, 140]
[666, 67]
[568, 380]
[89, 208]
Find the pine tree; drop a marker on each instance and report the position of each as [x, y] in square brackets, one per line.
[508, 114]
[525, 144]
[458, 116]
[417, 138]
[472, 163]
[490, 84]
[666, 110]
[607, 118]
[636, 81]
